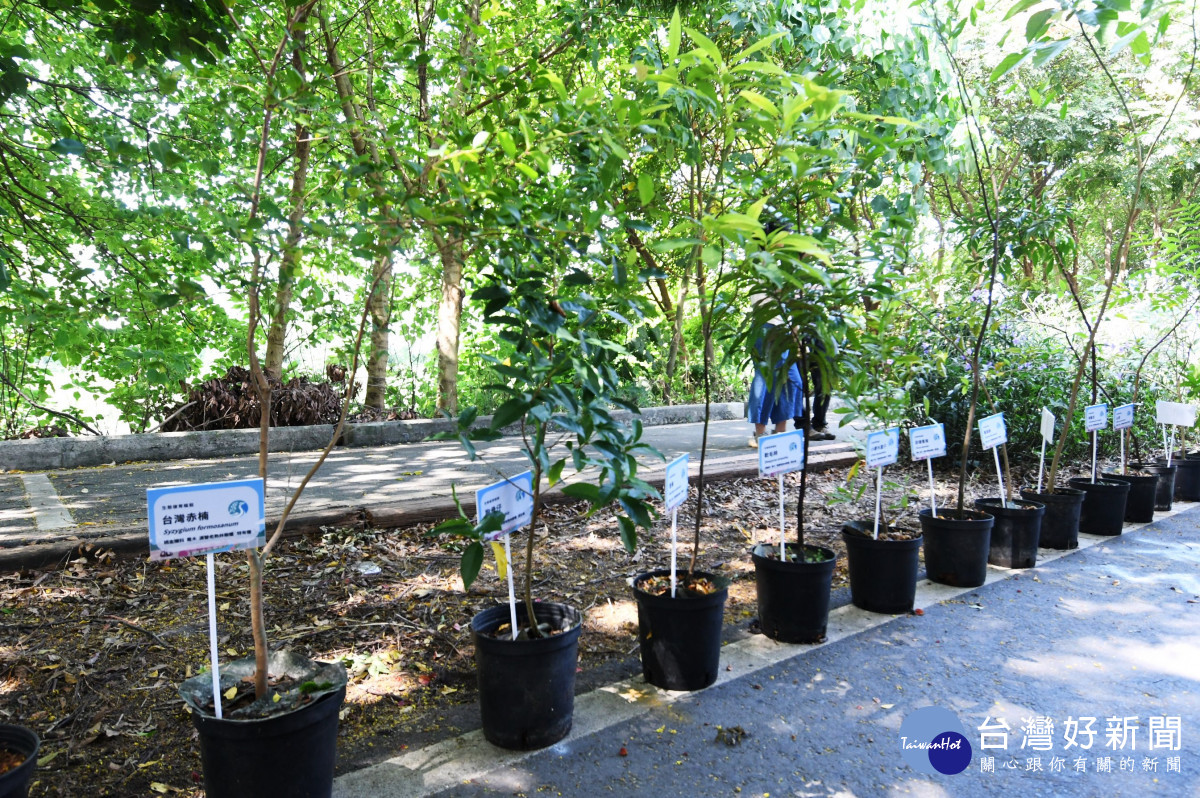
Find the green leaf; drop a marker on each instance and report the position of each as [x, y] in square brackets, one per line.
[512, 410]
[555, 472]
[68, 147]
[1008, 64]
[582, 490]
[645, 187]
[1022, 5]
[1038, 24]
[628, 533]
[471, 562]
[758, 101]
[673, 37]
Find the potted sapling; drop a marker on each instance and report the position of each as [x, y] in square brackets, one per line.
[883, 558]
[793, 579]
[559, 384]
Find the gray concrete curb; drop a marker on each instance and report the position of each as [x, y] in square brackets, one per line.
[52, 453]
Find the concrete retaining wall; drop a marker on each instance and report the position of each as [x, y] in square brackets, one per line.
[53, 453]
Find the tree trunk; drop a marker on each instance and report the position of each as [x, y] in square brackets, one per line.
[289, 266]
[380, 307]
[678, 351]
[450, 249]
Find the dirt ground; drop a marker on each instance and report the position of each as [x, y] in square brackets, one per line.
[91, 653]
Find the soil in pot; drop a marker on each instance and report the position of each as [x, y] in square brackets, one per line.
[1016, 533]
[956, 548]
[1103, 511]
[680, 637]
[1143, 487]
[18, 760]
[1165, 493]
[527, 685]
[1060, 523]
[883, 572]
[793, 593]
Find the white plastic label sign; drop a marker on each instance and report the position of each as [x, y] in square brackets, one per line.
[883, 448]
[513, 497]
[927, 442]
[1095, 417]
[1177, 413]
[1123, 417]
[992, 431]
[780, 453]
[1047, 426]
[199, 519]
[676, 488]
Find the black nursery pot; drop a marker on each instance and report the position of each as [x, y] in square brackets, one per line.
[1166, 482]
[1187, 479]
[1016, 533]
[1103, 510]
[793, 597]
[1139, 506]
[680, 638]
[289, 754]
[883, 573]
[1060, 524]
[526, 687]
[956, 549]
[18, 740]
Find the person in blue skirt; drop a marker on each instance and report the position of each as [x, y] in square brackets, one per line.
[776, 401]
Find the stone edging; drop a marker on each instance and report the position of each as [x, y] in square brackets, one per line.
[53, 453]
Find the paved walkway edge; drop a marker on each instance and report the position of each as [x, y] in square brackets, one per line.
[134, 540]
[42, 454]
[469, 756]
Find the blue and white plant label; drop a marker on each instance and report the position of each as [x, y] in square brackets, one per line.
[1123, 417]
[1095, 417]
[676, 488]
[780, 453]
[927, 442]
[513, 497]
[207, 518]
[883, 447]
[992, 431]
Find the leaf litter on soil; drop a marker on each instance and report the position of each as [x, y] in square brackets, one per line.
[91, 653]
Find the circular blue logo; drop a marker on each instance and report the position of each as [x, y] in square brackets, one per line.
[933, 740]
[238, 507]
[950, 753]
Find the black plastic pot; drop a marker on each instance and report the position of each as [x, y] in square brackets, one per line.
[1016, 533]
[290, 754]
[956, 549]
[526, 687]
[680, 638]
[793, 597]
[1139, 507]
[1103, 511]
[883, 573]
[18, 740]
[1060, 524]
[1187, 479]
[1166, 482]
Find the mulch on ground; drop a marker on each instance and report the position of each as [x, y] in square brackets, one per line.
[91, 653]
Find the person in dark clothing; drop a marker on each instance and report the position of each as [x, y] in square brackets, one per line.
[820, 396]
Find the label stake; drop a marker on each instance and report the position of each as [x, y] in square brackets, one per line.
[212, 635]
[878, 498]
[512, 595]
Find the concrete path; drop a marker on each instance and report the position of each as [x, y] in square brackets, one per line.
[1104, 639]
[45, 516]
